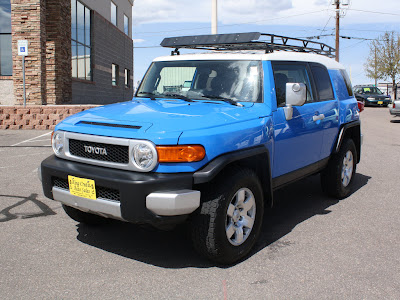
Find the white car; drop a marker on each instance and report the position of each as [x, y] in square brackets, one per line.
[395, 110]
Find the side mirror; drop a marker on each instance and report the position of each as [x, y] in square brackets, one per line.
[296, 95]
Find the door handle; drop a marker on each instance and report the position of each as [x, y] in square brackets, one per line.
[318, 117]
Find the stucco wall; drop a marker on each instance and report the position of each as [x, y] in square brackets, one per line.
[6, 92]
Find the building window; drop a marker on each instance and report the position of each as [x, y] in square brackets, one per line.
[113, 13]
[5, 38]
[127, 77]
[114, 74]
[80, 41]
[126, 24]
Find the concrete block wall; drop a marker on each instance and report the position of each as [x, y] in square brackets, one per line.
[37, 116]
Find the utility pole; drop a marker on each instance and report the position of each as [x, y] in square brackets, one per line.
[375, 67]
[340, 12]
[214, 17]
[337, 3]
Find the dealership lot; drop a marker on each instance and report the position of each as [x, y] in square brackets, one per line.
[311, 246]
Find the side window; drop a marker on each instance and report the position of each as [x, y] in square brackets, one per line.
[322, 82]
[290, 72]
[339, 84]
[348, 82]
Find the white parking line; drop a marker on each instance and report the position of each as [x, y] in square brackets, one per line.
[34, 141]
[48, 133]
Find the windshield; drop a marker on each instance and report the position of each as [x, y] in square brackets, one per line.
[371, 90]
[200, 80]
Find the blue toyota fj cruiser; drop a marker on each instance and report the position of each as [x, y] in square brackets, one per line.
[209, 137]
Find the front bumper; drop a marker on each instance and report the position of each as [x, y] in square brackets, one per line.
[145, 198]
[378, 102]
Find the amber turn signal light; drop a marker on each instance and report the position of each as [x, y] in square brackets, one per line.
[181, 153]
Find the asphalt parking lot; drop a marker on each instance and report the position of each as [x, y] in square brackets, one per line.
[311, 247]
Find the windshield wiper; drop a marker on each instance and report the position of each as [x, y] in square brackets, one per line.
[227, 100]
[178, 96]
[146, 94]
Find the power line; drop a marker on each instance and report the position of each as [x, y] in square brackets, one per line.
[355, 44]
[374, 12]
[326, 24]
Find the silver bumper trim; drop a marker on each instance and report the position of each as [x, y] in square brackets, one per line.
[173, 203]
[105, 208]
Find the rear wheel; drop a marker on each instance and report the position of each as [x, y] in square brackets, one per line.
[229, 221]
[83, 217]
[337, 178]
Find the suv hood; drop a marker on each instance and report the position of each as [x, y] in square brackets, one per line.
[148, 119]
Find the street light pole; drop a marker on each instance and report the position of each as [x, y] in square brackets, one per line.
[214, 18]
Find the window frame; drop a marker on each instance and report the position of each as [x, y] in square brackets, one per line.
[127, 74]
[126, 18]
[116, 13]
[88, 74]
[114, 77]
[7, 51]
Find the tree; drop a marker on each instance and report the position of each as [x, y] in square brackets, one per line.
[372, 65]
[384, 59]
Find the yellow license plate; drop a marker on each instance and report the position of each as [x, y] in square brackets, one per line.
[380, 102]
[82, 187]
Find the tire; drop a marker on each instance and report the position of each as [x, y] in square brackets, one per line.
[338, 176]
[227, 225]
[83, 217]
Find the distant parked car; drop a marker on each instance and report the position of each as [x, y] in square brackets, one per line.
[395, 110]
[371, 95]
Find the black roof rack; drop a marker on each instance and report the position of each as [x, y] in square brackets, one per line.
[247, 41]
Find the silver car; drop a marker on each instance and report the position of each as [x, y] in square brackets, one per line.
[395, 110]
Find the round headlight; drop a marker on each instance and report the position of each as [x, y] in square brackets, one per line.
[57, 143]
[143, 156]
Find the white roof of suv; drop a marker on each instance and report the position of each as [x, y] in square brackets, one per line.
[275, 56]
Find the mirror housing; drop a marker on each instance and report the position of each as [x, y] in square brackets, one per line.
[296, 95]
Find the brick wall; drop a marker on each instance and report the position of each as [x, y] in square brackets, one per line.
[46, 25]
[58, 51]
[37, 116]
[28, 19]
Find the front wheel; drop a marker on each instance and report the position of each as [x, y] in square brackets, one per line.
[337, 178]
[229, 220]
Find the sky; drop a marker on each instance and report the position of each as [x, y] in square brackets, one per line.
[362, 21]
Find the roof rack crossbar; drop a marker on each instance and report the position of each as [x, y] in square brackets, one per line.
[247, 41]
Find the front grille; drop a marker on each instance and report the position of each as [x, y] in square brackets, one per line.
[115, 153]
[101, 192]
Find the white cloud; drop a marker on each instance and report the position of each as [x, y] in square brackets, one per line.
[137, 41]
[267, 12]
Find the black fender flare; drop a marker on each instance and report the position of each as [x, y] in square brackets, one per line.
[342, 134]
[213, 168]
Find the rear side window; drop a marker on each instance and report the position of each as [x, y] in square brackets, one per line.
[322, 82]
[348, 82]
